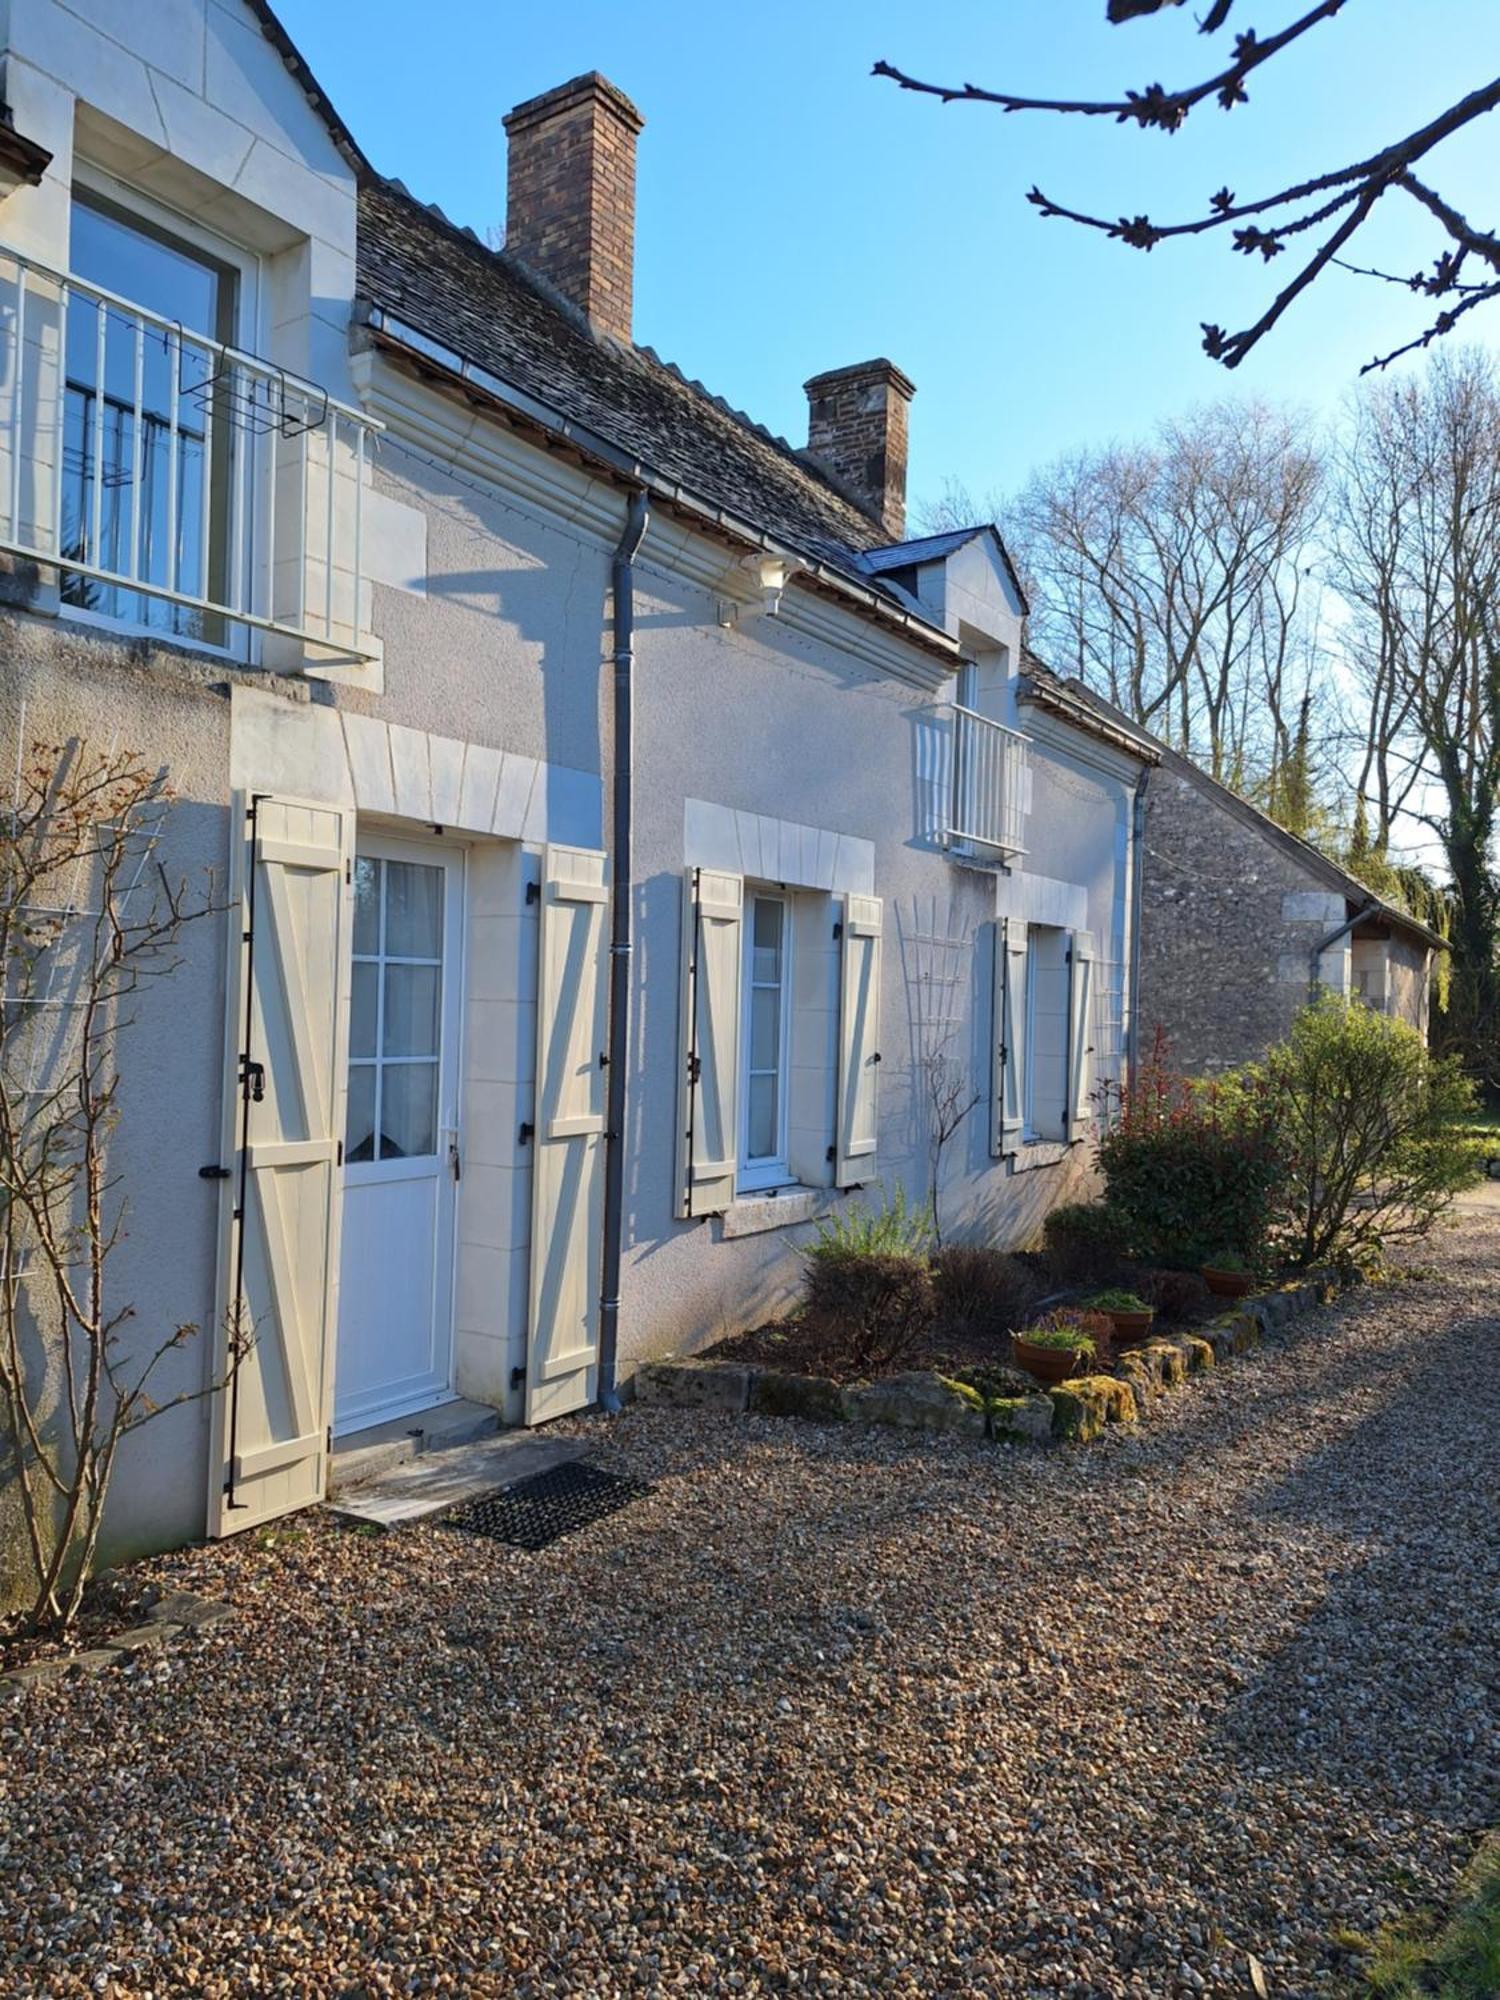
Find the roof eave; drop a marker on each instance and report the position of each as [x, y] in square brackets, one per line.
[419, 350]
[1056, 700]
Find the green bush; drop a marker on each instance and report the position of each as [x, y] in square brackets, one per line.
[1193, 1168]
[868, 1296]
[1368, 1122]
[1117, 1301]
[1086, 1240]
[981, 1289]
[895, 1229]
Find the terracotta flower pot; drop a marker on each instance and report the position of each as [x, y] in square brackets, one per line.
[1127, 1328]
[1049, 1365]
[1226, 1284]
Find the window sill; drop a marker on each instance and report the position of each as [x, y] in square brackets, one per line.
[1034, 1153]
[753, 1214]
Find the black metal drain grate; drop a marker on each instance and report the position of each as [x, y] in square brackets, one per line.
[540, 1510]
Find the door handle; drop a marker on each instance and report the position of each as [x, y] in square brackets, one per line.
[455, 1161]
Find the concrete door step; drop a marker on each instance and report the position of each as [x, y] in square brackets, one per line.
[361, 1456]
[441, 1479]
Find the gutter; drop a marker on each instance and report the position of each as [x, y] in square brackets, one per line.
[621, 910]
[396, 337]
[1369, 909]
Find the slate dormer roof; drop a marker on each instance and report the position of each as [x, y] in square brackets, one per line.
[420, 268]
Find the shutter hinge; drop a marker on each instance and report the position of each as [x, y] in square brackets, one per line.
[526, 1134]
[533, 893]
[695, 1068]
[838, 930]
[329, 1446]
[348, 870]
[831, 1155]
[340, 1160]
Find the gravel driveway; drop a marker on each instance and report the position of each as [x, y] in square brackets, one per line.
[827, 1712]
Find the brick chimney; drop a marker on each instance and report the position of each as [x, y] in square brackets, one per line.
[570, 198]
[856, 428]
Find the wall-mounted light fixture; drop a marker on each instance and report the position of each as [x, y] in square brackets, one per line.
[769, 576]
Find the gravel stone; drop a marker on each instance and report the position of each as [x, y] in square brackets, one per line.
[832, 1710]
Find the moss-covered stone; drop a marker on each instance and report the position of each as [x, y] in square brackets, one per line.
[1168, 1361]
[1197, 1354]
[1082, 1407]
[914, 1402]
[965, 1389]
[1016, 1417]
[694, 1385]
[776, 1393]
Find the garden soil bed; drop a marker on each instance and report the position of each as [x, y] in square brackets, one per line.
[796, 1348]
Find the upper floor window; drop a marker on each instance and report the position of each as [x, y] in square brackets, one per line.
[147, 469]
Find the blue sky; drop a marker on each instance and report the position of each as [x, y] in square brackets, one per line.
[795, 214]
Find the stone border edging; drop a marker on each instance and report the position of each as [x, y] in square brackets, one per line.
[181, 1611]
[922, 1400]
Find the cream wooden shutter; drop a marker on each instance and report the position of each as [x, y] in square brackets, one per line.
[1007, 1090]
[1080, 1032]
[859, 1042]
[713, 911]
[279, 1242]
[567, 1198]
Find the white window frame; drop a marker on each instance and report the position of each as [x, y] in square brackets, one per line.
[159, 217]
[756, 1176]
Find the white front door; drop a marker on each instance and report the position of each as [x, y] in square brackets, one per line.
[395, 1342]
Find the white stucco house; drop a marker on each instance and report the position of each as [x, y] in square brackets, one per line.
[618, 811]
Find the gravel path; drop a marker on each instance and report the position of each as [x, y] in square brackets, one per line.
[828, 1712]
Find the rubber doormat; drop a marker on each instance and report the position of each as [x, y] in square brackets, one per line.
[538, 1511]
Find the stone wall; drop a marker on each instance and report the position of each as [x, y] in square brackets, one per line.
[1228, 922]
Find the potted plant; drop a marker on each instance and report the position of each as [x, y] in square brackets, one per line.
[1055, 1348]
[1227, 1275]
[1129, 1317]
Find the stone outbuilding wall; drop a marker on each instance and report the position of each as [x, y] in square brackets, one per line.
[1233, 909]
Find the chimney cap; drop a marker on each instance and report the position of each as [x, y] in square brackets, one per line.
[564, 96]
[879, 370]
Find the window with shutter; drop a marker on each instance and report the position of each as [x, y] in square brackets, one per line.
[1081, 971]
[1007, 1092]
[709, 1084]
[859, 1042]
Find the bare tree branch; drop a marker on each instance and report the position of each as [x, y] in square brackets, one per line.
[1264, 226]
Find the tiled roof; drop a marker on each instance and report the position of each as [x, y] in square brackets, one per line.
[926, 549]
[441, 280]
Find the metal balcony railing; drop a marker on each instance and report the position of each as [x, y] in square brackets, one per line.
[987, 792]
[176, 483]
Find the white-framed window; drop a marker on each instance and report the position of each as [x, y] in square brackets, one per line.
[153, 498]
[765, 1041]
[1045, 1046]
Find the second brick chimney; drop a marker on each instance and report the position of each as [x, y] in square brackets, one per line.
[570, 198]
[856, 428]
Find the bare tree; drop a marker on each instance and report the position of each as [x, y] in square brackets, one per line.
[1418, 560]
[1336, 203]
[1170, 575]
[87, 915]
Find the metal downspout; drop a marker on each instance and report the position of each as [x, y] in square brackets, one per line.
[1137, 894]
[622, 612]
[1334, 937]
